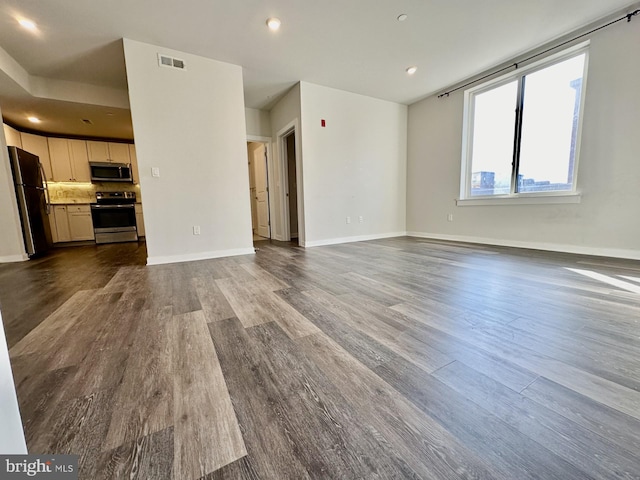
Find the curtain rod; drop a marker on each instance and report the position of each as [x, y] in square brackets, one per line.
[626, 17]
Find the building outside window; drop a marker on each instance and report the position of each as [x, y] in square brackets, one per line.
[522, 130]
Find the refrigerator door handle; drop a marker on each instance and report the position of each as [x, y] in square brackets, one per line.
[46, 189]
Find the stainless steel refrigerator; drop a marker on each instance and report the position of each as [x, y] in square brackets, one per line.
[33, 200]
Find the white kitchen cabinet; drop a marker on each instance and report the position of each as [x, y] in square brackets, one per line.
[69, 160]
[139, 220]
[62, 223]
[38, 146]
[79, 160]
[119, 152]
[12, 136]
[134, 164]
[80, 224]
[71, 223]
[60, 160]
[108, 152]
[98, 151]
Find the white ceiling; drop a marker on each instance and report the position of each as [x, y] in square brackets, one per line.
[354, 45]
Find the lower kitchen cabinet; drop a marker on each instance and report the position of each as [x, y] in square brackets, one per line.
[72, 223]
[80, 224]
[63, 233]
[139, 220]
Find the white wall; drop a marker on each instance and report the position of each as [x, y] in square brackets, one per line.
[12, 247]
[258, 122]
[606, 220]
[355, 166]
[283, 114]
[191, 125]
[11, 434]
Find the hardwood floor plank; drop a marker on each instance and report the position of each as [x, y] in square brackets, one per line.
[577, 445]
[489, 437]
[271, 452]
[604, 391]
[55, 324]
[255, 305]
[361, 346]
[206, 431]
[103, 366]
[333, 440]
[145, 395]
[620, 429]
[149, 457]
[429, 449]
[214, 304]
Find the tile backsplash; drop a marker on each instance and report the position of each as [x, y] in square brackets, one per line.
[67, 192]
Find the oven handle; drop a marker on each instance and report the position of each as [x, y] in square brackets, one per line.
[113, 206]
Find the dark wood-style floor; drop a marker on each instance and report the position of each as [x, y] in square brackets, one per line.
[397, 358]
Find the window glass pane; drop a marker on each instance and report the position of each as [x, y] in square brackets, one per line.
[492, 153]
[549, 127]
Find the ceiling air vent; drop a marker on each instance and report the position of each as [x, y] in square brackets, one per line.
[166, 61]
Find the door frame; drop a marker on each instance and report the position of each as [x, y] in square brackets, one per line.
[291, 127]
[270, 180]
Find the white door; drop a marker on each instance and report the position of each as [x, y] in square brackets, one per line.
[262, 190]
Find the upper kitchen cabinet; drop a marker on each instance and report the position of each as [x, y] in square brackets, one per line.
[134, 164]
[38, 146]
[98, 151]
[119, 152]
[12, 136]
[69, 160]
[79, 160]
[108, 152]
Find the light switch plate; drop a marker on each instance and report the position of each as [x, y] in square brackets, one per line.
[155, 172]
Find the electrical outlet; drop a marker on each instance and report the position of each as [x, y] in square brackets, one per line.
[360, 219]
[348, 219]
[450, 217]
[196, 229]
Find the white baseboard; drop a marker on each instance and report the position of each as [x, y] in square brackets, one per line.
[199, 256]
[359, 238]
[14, 258]
[548, 247]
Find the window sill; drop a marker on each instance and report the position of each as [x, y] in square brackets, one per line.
[535, 199]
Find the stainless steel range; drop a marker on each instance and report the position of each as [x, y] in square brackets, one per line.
[114, 217]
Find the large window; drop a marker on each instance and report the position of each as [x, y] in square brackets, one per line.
[522, 131]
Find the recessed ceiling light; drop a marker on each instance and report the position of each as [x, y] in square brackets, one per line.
[33, 119]
[28, 24]
[402, 17]
[273, 23]
[411, 70]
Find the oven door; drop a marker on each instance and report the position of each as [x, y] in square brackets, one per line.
[114, 223]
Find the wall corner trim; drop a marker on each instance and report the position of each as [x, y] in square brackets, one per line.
[359, 238]
[544, 246]
[14, 258]
[191, 257]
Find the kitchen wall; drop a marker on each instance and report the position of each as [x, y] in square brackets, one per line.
[12, 247]
[354, 167]
[606, 220]
[190, 124]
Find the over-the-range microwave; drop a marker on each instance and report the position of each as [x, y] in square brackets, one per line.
[110, 172]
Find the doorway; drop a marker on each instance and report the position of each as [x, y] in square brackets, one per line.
[259, 190]
[289, 143]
